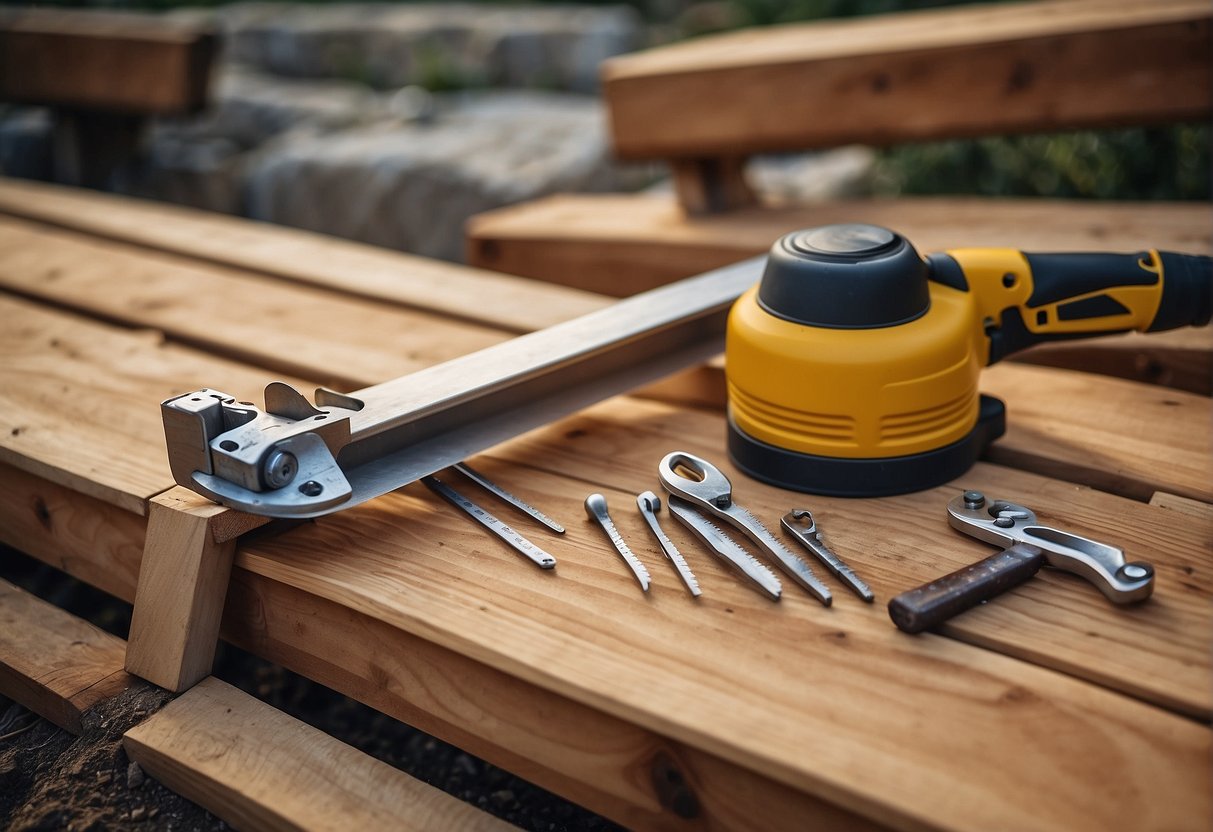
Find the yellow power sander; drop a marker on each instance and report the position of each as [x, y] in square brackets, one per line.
[853, 365]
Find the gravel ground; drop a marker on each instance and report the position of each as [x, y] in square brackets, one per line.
[52, 780]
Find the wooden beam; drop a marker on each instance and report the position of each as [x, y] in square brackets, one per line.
[299, 330]
[1026, 67]
[353, 269]
[54, 663]
[109, 61]
[187, 560]
[103, 436]
[711, 186]
[257, 768]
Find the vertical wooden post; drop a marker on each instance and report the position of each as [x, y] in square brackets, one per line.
[711, 186]
[187, 560]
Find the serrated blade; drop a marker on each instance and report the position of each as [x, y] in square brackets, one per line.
[596, 508]
[800, 571]
[723, 546]
[523, 546]
[649, 504]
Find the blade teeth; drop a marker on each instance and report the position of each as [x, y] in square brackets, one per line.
[724, 540]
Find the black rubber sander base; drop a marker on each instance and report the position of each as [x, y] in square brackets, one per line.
[883, 477]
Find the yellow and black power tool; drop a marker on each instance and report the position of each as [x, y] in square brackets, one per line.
[853, 365]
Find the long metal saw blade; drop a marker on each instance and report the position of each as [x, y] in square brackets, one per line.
[724, 547]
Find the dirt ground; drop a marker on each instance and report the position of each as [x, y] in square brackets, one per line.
[50, 780]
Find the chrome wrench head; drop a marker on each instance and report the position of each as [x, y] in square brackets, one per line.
[709, 485]
[1004, 523]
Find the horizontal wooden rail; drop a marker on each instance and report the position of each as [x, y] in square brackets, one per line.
[915, 76]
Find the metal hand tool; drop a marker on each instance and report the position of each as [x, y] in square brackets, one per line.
[1030, 546]
[649, 504]
[501, 494]
[596, 508]
[296, 459]
[800, 524]
[723, 546]
[524, 547]
[711, 490]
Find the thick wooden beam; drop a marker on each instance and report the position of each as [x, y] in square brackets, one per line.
[104, 61]
[915, 76]
[187, 560]
[54, 663]
[257, 768]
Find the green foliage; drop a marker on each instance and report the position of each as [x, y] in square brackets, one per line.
[1140, 163]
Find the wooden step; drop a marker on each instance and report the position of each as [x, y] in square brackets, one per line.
[892, 78]
[257, 768]
[54, 663]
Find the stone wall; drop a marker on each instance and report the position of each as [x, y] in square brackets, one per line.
[321, 119]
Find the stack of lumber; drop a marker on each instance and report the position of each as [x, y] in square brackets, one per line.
[1046, 709]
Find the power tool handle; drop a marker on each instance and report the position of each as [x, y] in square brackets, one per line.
[934, 603]
[1025, 299]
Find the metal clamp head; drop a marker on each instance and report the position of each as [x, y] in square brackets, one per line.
[705, 485]
[1005, 523]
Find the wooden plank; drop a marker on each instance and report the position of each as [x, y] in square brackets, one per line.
[1183, 505]
[595, 757]
[906, 538]
[1116, 435]
[806, 696]
[604, 763]
[1027, 67]
[54, 663]
[183, 578]
[122, 62]
[291, 254]
[257, 768]
[340, 341]
[620, 244]
[78, 399]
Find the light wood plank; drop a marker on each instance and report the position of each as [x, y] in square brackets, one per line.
[74, 57]
[904, 541]
[340, 341]
[79, 399]
[257, 768]
[836, 703]
[882, 80]
[54, 663]
[358, 270]
[604, 763]
[1127, 438]
[183, 579]
[1183, 505]
[620, 244]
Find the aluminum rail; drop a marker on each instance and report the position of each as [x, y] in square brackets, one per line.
[299, 460]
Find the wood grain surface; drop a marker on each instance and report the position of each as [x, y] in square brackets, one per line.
[72, 58]
[183, 579]
[258, 768]
[886, 79]
[620, 244]
[80, 399]
[291, 254]
[261, 321]
[54, 663]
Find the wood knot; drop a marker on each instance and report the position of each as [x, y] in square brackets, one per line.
[42, 512]
[673, 791]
